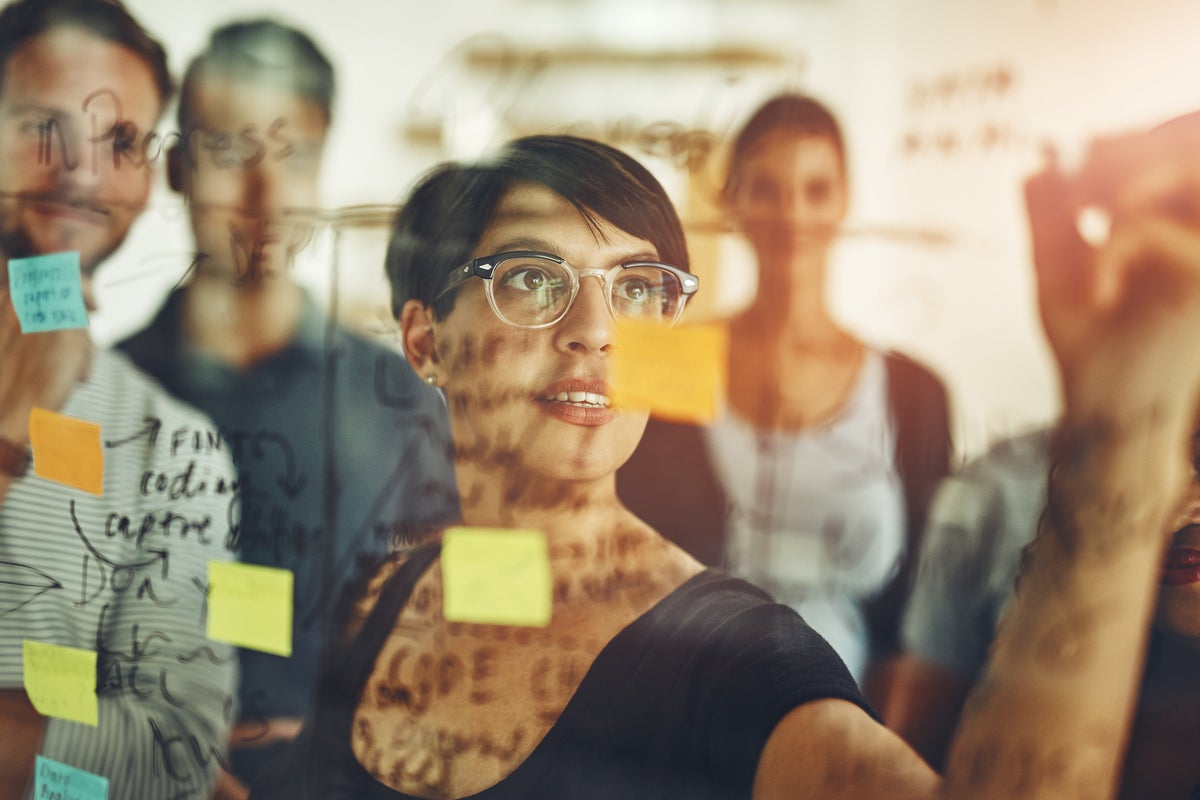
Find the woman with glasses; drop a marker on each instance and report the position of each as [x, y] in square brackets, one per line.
[655, 677]
[815, 481]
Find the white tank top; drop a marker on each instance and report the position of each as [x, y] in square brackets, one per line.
[817, 516]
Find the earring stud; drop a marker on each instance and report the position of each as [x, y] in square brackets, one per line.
[431, 379]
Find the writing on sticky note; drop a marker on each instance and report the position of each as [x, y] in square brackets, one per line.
[47, 292]
[66, 450]
[61, 681]
[53, 779]
[675, 373]
[496, 576]
[250, 606]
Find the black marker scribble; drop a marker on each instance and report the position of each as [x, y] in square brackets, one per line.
[290, 482]
[170, 760]
[23, 577]
[122, 574]
[152, 426]
[206, 652]
[170, 698]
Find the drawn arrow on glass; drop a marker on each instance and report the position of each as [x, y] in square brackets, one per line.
[21, 585]
[291, 482]
[150, 431]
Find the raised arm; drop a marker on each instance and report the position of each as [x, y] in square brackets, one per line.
[1051, 715]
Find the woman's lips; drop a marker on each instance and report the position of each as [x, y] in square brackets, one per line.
[578, 402]
[1181, 566]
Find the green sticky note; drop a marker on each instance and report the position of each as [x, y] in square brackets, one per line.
[61, 681]
[53, 779]
[496, 576]
[47, 292]
[250, 606]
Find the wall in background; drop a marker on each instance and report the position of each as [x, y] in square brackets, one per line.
[946, 106]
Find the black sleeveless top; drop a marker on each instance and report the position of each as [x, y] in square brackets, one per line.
[679, 704]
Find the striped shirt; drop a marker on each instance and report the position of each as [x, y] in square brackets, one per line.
[125, 574]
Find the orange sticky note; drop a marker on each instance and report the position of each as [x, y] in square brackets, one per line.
[66, 450]
[61, 681]
[250, 606]
[496, 576]
[676, 373]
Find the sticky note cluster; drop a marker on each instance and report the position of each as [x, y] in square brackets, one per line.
[47, 292]
[496, 576]
[250, 606]
[53, 779]
[66, 450]
[676, 373]
[61, 681]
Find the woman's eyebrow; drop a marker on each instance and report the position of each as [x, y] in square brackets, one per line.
[543, 246]
[525, 243]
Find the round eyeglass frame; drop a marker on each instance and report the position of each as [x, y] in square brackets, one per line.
[484, 267]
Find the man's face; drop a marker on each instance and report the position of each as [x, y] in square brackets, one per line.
[251, 170]
[74, 109]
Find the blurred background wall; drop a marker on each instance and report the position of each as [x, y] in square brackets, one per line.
[946, 106]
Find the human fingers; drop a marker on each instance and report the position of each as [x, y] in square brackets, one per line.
[1153, 262]
[1154, 172]
[1060, 256]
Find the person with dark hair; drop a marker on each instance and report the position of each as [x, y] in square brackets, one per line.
[676, 675]
[814, 483]
[119, 572]
[304, 402]
[655, 677]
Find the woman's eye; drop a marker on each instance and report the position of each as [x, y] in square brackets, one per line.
[527, 278]
[636, 289]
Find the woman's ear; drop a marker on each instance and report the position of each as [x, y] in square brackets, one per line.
[417, 337]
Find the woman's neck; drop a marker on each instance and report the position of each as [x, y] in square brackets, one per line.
[803, 364]
[507, 496]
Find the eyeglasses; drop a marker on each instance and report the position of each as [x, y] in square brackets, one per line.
[528, 289]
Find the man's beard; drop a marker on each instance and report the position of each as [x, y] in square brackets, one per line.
[16, 236]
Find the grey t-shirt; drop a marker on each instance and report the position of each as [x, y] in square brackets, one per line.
[980, 520]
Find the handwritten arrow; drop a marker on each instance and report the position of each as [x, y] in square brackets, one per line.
[150, 431]
[291, 482]
[28, 585]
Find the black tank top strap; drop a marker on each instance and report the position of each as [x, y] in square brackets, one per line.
[359, 657]
[320, 764]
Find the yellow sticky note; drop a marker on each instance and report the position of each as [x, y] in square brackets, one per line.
[496, 576]
[61, 681]
[676, 373]
[66, 450]
[250, 606]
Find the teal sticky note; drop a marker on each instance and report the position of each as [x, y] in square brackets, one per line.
[47, 293]
[62, 781]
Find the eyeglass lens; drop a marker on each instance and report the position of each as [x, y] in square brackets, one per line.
[536, 291]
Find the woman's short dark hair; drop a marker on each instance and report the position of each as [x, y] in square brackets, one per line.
[795, 113]
[107, 19]
[450, 209]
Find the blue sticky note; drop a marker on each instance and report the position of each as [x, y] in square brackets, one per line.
[47, 292]
[55, 779]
